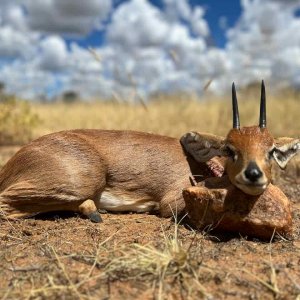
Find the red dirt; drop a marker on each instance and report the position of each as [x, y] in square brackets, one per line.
[57, 256]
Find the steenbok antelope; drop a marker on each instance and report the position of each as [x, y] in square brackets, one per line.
[87, 170]
[249, 150]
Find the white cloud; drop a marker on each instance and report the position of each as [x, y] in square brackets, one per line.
[53, 53]
[14, 16]
[15, 39]
[147, 48]
[23, 78]
[180, 10]
[177, 9]
[40, 63]
[137, 24]
[14, 43]
[78, 8]
[264, 43]
[198, 24]
[145, 38]
[84, 74]
[68, 16]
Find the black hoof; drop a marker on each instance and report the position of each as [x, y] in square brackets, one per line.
[95, 217]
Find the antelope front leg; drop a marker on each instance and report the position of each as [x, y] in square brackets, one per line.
[204, 205]
[89, 209]
[230, 209]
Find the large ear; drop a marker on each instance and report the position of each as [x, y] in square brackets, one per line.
[203, 146]
[285, 149]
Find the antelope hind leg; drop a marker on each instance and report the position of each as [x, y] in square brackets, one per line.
[89, 209]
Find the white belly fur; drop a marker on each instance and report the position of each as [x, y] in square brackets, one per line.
[117, 203]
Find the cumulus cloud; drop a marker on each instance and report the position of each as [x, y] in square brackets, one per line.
[180, 10]
[25, 79]
[150, 49]
[14, 16]
[68, 16]
[156, 51]
[263, 44]
[34, 57]
[54, 54]
[14, 43]
[137, 23]
[15, 39]
[87, 76]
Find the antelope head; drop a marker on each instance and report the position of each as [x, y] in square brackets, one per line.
[249, 150]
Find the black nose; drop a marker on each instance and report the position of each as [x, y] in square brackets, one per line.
[253, 173]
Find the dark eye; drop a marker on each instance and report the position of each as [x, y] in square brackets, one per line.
[231, 153]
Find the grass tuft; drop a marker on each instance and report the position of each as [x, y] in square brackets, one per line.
[17, 121]
[170, 262]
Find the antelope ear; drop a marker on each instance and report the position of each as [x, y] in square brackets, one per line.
[203, 146]
[284, 150]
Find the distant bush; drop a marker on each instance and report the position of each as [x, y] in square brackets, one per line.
[17, 120]
[70, 97]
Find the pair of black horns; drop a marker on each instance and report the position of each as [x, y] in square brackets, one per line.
[235, 108]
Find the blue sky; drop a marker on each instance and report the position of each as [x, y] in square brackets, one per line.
[215, 10]
[142, 47]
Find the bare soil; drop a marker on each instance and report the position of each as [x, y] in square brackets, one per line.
[64, 256]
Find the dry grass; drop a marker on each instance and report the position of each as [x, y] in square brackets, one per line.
[16, 120]
[171, 261]
[170, 116]
[143, 256]
[146, 258]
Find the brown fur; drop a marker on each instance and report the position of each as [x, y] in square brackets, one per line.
[251, 144]
[69, 170]
[232, 203]
[240, 147]
[218, 204]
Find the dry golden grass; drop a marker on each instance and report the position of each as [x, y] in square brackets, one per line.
[16, 120]
[170, 260]
[169, 116]
[174, 116]
[130, 256]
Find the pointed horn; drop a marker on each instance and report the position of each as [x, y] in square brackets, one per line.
[262, 115]
[235, 109]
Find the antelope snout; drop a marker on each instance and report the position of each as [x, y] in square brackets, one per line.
[253, 172]
[252, 180]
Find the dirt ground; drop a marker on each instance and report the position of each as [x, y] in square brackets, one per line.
[140, 256]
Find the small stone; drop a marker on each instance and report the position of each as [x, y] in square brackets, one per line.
[229, 209]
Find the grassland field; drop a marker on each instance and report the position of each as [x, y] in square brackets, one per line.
[140, 256]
